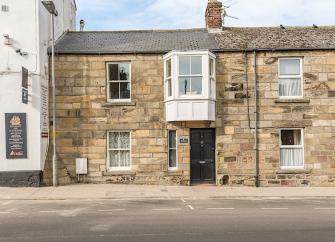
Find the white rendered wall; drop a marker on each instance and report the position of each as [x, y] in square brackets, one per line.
[28, 25]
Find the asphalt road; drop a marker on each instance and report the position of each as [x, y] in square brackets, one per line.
[168, 220]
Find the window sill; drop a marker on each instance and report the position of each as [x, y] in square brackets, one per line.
[118, 173]
[112, 104]
[294, 171]
[298, 100]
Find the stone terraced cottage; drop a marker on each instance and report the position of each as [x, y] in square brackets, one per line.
[221, 105]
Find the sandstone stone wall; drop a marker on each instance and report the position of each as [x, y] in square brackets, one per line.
[315, 113]
[84, 117]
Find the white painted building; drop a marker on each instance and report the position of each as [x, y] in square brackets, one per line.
[25, 33]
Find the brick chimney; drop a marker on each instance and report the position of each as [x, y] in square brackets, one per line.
[214, 20]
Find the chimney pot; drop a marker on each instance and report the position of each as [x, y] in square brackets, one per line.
[82, 25]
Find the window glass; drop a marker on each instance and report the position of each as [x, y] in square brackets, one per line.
[212, 87]
[113, 72]
[184, 65]
[290, 87]
[124, 71]
[119, 149]
[211, 67]
[184, 85]
[196, 85]
[169, 88]
[289, 67]
[124, 90]
[119, 81]
[290, 80]
[114, 91]
[172, 149]
[196, 65]
[291, 149]
[168, 68]
[291, 137]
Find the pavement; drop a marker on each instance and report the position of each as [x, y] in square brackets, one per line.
[110, 191]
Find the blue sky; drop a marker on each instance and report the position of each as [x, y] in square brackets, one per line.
[174, 14]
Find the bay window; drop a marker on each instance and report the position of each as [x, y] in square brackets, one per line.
[189, 85]
[290, 78]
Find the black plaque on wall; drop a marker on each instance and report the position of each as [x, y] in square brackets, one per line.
[16, 135]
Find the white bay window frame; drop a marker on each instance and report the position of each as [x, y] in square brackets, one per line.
[193, 106]
[291, 76]
[298, 147]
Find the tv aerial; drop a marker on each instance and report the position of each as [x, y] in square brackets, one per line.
[225, 7]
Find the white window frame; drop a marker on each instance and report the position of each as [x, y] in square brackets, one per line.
[125, 168]
[167, 78]
[190, 76]
[212, 77]
[168, 146]
[294, 147]
[292, 76]
[118, 81]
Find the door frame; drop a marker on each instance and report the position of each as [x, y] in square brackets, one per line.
[214, 157]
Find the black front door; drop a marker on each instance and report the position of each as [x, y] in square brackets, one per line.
[202, 155]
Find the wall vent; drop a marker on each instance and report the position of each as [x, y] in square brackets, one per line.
[4, 8]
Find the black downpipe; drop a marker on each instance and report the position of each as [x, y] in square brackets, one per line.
[257, 183]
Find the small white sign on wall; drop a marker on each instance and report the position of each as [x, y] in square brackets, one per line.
[184, 140]
[81, 166]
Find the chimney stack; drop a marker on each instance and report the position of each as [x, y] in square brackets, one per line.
[214, 21]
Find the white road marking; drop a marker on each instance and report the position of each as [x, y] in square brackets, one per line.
[6, 203]
[192, 208]
[220, 208]
[324, 208]
[274, 208]
[51, 211]
[183, 200]
[166, 209]
[112, 210]
[5, 212]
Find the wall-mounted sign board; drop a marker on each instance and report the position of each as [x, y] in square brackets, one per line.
[16, 135]
[184, 140]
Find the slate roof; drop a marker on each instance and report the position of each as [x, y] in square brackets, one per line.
[229, 39]
[147, 41]
[276, 38]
